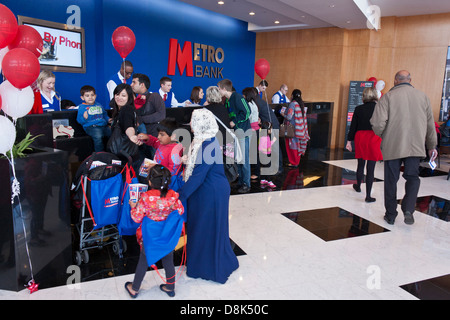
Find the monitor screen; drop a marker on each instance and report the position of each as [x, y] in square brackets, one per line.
[64, 46]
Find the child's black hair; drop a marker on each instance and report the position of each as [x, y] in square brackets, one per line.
[266, 125]
[159, 178]
[168, 125]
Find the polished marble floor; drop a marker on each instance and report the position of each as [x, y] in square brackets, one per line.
[310, 237]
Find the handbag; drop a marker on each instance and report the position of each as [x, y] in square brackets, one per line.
[231, 171]
[119, 143]
[238, 156]
[287, 130]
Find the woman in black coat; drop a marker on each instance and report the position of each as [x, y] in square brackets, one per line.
[124, 114]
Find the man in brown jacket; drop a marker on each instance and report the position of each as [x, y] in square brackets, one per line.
[404, 120]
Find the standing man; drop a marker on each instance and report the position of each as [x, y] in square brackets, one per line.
[239, 114]
[150, 107]
[280, 95]
[404, 120]
[125, 72]
[262, 86]
[166, 94]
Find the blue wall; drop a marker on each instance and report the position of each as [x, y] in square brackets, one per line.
[154, 22]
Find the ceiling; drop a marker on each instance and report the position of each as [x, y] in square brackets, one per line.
[307, 14]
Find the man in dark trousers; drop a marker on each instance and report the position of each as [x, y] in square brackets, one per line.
[404, 120]
[239, 113]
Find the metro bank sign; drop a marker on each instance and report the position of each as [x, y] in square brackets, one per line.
[185, 58]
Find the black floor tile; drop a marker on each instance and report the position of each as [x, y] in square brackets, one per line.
[333, 223]
[431, 289]
[434, 206]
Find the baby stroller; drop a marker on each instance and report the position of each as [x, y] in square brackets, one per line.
[99, 189]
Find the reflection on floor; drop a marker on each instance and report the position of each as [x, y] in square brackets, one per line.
[431, 289]
[314, 225]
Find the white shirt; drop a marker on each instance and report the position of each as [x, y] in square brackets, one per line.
[174, 103]
[276, 98]
[111, 85]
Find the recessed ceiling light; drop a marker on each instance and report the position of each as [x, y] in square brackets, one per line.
[221, 2]
[332, 6]
[251, 13]
[277, 22]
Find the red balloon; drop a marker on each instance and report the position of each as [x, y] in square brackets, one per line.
[123, 41]
[262, 68]
[374, 80]
[8, 26]
[21, 67]
[29, 38]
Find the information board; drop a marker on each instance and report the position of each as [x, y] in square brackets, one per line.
[355, 99]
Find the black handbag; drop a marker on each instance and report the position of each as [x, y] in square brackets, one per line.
[231, 170]
[120, 144]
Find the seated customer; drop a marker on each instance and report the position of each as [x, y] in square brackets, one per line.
[93, 117]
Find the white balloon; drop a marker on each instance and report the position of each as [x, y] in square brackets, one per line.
[16, 103]
[7, 134]
[380, 85]
[379, 94]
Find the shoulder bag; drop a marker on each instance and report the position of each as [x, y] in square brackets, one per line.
[120, 144]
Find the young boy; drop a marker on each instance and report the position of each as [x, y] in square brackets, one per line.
[93, 117]
[168, 151]
[239, 113]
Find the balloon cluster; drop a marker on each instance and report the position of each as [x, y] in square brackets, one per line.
[20, 47]
[379, 85]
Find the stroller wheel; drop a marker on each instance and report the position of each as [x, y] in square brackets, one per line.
[81, 257]
[77, 258]
[85, 256]
[116, 247]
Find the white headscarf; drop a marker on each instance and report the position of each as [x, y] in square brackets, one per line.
[204, 126]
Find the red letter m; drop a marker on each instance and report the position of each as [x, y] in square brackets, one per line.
[181, 57]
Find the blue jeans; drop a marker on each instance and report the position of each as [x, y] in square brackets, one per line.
[244, 166]
[97, 134]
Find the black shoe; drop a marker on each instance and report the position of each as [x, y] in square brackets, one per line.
[244, 189]
[370, 199]
[164, 289]
[389, 221]
[409, 219]
[357, 188]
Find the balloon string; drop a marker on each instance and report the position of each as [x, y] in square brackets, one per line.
[15, 188]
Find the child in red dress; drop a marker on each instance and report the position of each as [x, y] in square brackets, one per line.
[157, 203]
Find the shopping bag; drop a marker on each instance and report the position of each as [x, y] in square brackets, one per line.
[105, 200]
[126, 225]
[161, 237]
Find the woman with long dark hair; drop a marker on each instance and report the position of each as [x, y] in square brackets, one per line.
[124, 114]
[296, 115]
